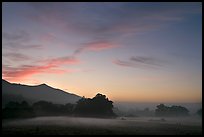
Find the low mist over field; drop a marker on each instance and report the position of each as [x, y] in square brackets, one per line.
[88, 126]
[134, 106]
[99, 116]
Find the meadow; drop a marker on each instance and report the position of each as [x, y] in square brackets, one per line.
[94, 126]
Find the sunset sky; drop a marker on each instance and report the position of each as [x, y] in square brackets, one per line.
[141, 52]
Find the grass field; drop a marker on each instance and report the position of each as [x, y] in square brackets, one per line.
[93, 126]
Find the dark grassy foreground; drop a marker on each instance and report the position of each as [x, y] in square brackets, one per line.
[92, 126]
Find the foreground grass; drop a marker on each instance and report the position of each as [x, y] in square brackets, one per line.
[89, 126]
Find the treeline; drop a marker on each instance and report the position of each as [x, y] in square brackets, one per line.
[160, 111]
[99, 106]
[146, 112]
[199, 112]
[17, 110]
[41, 108]
[163, 110]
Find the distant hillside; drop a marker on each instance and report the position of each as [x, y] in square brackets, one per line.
[18, 92]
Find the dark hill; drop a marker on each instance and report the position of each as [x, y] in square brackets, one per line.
[18, 92]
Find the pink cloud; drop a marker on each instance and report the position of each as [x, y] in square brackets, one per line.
[25, 71]
[62, 60]
[98, 46]
[95, 46]
[49, 66]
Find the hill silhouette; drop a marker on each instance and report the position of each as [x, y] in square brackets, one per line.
[31, 94]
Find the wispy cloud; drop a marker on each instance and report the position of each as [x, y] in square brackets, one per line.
[24, 71]
[146, 60]
[47, 66]
[123, 63]
[70, 60]
[95, 46]
[100, 19]
[16, 56]
[21, 46]
[18, 40]
[140, 62]
[48, 37]
[19, 36]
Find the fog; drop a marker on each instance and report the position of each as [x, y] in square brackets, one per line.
[64, 121]
[130, 106]
[133, 119]
[121, 125]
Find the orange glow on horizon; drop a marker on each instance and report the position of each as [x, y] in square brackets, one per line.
[139, 96]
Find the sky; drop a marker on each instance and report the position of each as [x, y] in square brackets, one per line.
[133, 52]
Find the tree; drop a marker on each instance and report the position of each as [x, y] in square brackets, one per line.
[163, 110]
[44, 108]
[18, 110]
[99, 106]
[199, 112]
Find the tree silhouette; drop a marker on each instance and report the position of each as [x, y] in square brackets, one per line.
[17, 110]
[44, 108]
[199, 112]
[163, 110]
[99, 106]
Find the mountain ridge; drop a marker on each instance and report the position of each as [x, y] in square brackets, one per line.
[31, 93]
